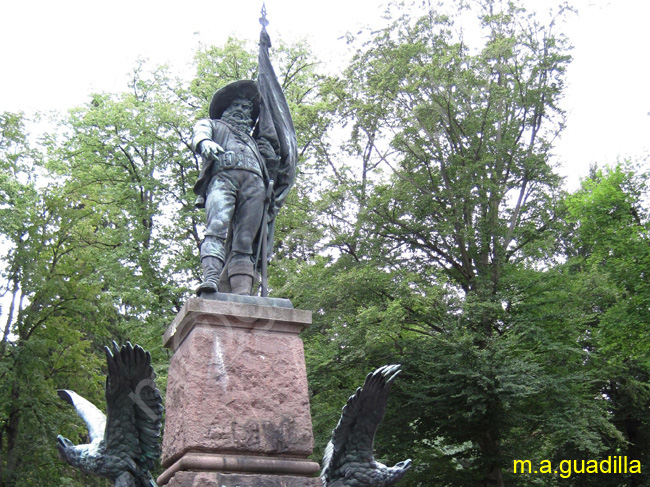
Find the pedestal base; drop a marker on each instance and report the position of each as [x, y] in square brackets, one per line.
[212, 479]
[275, 471]
[237, 406]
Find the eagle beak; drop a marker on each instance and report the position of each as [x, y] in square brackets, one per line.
[64, 442]
[405, 465]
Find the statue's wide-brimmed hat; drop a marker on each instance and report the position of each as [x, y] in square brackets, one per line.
[245, 88]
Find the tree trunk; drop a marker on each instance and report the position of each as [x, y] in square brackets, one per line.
[491, 452]
[635, 450]
[10, 316]
[2, 460]
[11, 429]
[493, 478]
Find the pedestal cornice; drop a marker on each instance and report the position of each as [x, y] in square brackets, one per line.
[197, 311]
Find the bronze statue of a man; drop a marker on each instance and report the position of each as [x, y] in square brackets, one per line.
[232, 186]
[249, 152]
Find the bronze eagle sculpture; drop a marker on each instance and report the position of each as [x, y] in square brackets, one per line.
[349, 459]
[124, 443]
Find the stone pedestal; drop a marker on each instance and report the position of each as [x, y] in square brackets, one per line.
[237, 407]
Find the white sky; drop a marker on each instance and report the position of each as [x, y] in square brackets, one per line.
[54, 53]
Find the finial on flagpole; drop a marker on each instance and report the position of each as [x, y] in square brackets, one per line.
[263, 20]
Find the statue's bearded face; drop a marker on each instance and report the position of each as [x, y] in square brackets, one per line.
[239, 113]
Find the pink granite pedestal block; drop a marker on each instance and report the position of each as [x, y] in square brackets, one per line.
[237, 406]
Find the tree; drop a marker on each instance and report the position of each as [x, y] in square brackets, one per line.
[52, 295]
[612, 237]
[612, 248]
[89, 260]
[440, 227]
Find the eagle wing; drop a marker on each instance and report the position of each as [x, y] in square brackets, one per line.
[353, 437]
[95, 420]
[133, 406]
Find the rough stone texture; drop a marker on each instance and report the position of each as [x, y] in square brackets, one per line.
[237, 383]
[214, 479]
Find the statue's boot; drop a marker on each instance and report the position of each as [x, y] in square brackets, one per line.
[241, 277]
[212, 267]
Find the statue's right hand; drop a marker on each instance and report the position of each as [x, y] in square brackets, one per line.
[210, 149]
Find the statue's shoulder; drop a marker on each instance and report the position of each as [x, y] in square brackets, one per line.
[220, 129]
[220, 123]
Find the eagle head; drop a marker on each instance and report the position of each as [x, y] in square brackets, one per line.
[66, 448]
[405, 465]
[397, 472]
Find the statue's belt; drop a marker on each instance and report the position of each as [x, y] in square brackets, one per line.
[232, 160]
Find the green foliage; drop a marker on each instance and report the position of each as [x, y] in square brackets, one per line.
[446, 234]
[54, 316]
[612, 248]
[612, 238]
[427, 227]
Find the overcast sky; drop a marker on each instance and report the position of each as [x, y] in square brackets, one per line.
[54, 53]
